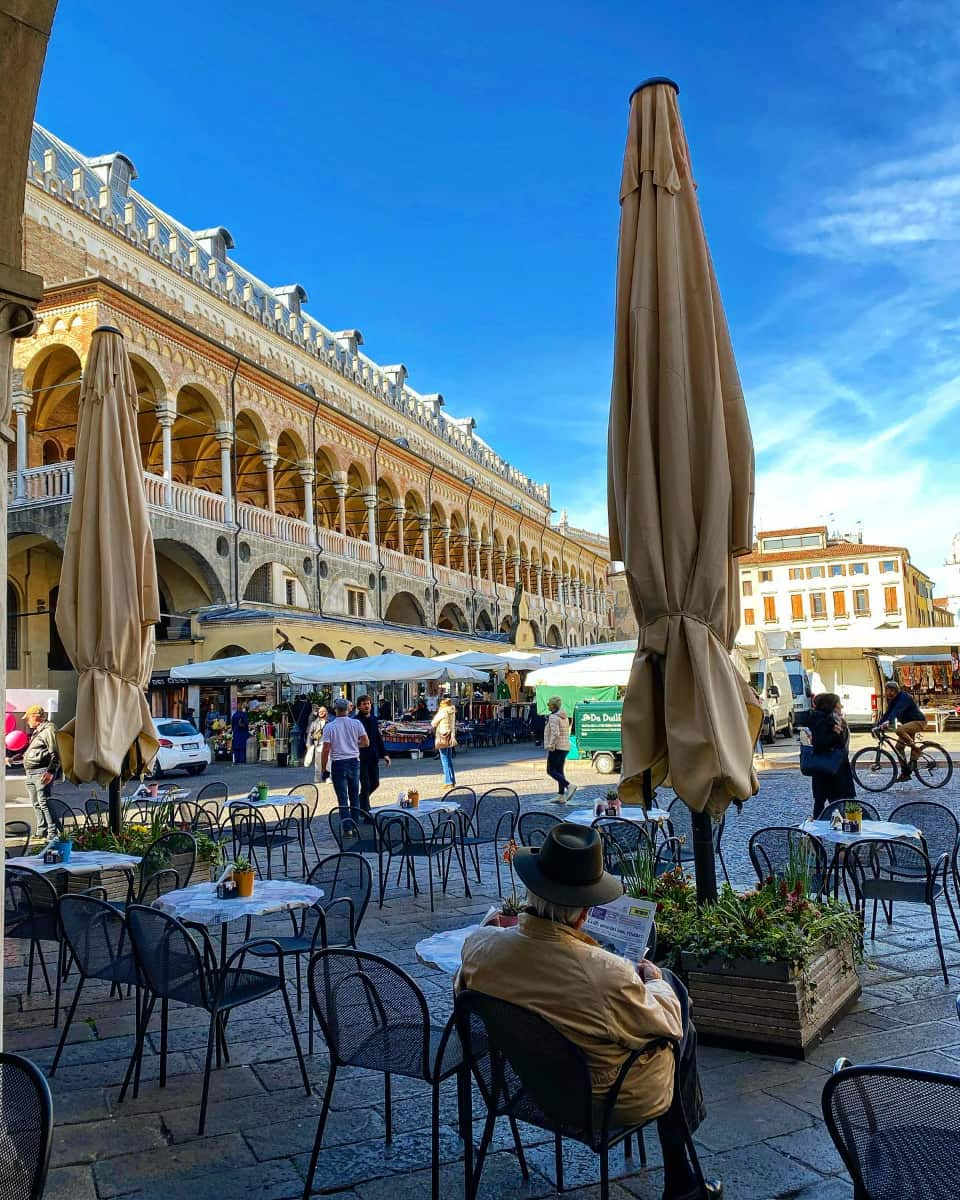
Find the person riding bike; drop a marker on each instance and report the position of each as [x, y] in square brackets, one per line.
[902, 708]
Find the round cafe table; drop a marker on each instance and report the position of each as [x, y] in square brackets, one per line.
[426, 808]
[629, 812]
[444, 950]
[200, 905]
[873, 831]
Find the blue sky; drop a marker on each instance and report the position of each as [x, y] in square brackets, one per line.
[444, 177]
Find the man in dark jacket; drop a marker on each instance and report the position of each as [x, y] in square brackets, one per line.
[902, 708]
[41, 765]
[370, 755]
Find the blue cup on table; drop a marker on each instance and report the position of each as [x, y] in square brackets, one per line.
[64, 849]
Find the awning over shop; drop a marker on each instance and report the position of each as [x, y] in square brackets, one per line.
[481, 660]
[309, 668]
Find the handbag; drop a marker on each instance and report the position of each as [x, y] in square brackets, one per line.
[309, 754]
[827, 762]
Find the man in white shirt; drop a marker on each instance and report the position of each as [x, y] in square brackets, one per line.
[342, 742]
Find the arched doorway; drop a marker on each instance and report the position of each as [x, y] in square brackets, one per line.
[404, 609]
[451, 617]
[322, 650]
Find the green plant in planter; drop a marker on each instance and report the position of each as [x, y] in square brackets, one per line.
[241, 864]
[638, 872]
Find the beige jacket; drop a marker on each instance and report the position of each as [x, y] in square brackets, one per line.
[445, 724]
[593, 997]
[556, 733]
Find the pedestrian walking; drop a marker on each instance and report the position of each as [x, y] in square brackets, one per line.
[343, 739]
[240, 724]
[371, 755]
[556, 742]
[828, 763]
[311, 756]
[445, 739]
[41, 765]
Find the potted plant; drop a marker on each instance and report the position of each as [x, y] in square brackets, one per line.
[852, 816]
[507, 914]
[243, 877]
[413, 795]
[263, 791]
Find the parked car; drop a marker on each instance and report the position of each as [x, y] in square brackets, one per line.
[772, 684]
[181, 748]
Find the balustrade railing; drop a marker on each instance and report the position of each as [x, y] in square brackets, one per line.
[41, 485]
[184, 500]
[393, 560]
[344, 546]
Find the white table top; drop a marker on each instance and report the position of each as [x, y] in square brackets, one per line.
[882, 831]
[199, 903]
[82, 862]
[283, 801]
[629, 812]
[443, 950]
[425, 806]
[173, 795]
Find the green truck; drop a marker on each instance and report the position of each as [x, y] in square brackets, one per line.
[596, 724]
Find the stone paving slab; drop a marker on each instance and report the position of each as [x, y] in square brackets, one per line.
[764, 1132]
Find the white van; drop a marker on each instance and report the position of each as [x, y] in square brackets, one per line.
[772, 684]
[857, 678]
[800, 685]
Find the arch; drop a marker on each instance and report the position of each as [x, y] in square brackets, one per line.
[358, 484]
[322, 650]
[53, 377]
[414, 509]
[232, 651]
[324, 493]
[459, 542]
[196, 451]
[191, 581]
[289, 494]
[513, 571]
[438, 543]
[506, 625]
[388, 524]
[404, 609]
[357, 652]
[484, 624]
[451, 617]
[535, 633]
[553, 637]
[251, 444]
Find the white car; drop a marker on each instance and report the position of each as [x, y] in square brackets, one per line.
[181, 747]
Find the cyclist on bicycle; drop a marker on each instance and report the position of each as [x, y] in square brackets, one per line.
[902, 708]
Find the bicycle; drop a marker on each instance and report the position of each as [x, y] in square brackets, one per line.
[875, 768]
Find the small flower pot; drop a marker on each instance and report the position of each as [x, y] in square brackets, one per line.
[244, 882]
[263, 792]
[64, 849]
[414, 797]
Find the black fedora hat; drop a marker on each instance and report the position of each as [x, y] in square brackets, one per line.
[568, 868]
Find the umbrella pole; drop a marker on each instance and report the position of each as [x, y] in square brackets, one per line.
[113, 795]
[704, 858]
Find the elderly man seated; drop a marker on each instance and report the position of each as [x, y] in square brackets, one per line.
[601, 1002]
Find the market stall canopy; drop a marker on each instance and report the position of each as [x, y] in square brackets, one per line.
[309, 668]
[599, 677]
[268, 664]
[483, 660]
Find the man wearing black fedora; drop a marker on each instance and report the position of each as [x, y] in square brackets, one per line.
[602, 1003]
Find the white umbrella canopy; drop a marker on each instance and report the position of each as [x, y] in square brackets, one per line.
[484, 660]
[266, 664]
[600, 670]
[109, 601]
[310, 668]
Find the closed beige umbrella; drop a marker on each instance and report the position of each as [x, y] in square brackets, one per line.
[680, 478]
[109, 601]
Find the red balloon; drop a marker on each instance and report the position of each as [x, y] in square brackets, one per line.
[10, 723]
[16, 740]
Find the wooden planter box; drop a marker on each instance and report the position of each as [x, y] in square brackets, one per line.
[770, 1006]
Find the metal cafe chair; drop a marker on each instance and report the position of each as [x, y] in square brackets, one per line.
[401, 836]
[97, 812]
[30, 914]
[897, 1130]
[493, 823]
[526, 1070]
[779, 848]
[867, 809]
[354, 830]
[22, 832]
[26, 1129]
[681, 827]
[374, 1016]
[533, 826]
[252, 833]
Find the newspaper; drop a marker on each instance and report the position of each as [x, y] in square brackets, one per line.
[623, 923]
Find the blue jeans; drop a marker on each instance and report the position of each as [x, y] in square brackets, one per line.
[345, 773]
[446, 760]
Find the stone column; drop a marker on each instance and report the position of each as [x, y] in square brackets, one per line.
[370, 500]
[224, 435]
[165, 419]
[478, 555]
[339, 484]
[517, 577]
[445, 531]
[400, 510]
[308, 475]
[540, 581]
[269, 458]
[22, 404]
[425, 526]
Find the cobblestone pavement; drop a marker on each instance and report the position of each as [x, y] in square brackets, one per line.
[763, 1135]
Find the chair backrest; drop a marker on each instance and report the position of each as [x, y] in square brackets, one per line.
[533, 826]
[97, 810]
[166, 953]
[66, 818]
[21, 831]
[871, 858]
[935, 821]
[216, 792]
[26, 1129]
[342, 876]
[29, 897]
[781, 850]
[897, 1130]
[465, 797]
[398, 830]
[190, 814]
[311, 797]
[174, 851]
[521, 1061]
[869, 812]
[371, 1012]
[621, 839]
[138, 814]
[497, 812]
[94, 931]
[248, 827]
[354, 831]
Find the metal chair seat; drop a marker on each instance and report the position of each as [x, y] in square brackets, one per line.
[239, 985]
[899, 889]
[400, 1046]
[908, 1161]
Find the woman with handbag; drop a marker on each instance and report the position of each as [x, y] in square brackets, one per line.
[827, 759]
[445, 738]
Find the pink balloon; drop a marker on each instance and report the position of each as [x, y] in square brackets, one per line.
[10, 723]
[16, 740]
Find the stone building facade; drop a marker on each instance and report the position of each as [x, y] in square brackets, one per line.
[300, 493]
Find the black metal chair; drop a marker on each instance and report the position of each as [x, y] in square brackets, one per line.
[896, 1129]
[939, 826]
[898, 872]
[681, 828]
[779, 850]
[66, 818]
[354, 831]
[97, 812]
[374, 1016]
[250, 833]
[525, 1069]
[838, 806]
[463, 796]
[623, 840]
[26, 1129]
[95, 933]
[493, 823]
[200, 818]
[30, 914]
[166, 866]
[346, 881]
[311, 797]
[534, 825]
[180, 964]
[21, 831]
[401, 836]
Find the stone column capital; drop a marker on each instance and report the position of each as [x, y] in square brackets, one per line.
[21, 402]
[223, 432]
[269, 457]
[307, 472]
